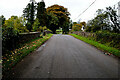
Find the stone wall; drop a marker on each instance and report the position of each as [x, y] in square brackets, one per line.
[85, 34]
[24, 37]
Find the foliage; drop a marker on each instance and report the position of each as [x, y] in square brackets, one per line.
[36, 25]
[74, 23]
[89, 29]
[76, 27]
[41, 13]
[104, 37]
[59, 31]
[10, 32]
[83, 24]
[114, 19]
[2, 20]
[99, 45]
[99, 22]
[9, 60]
[111, 39]
[16, 23]
[44, 28]
[52, 23]
[62, 14]
[65, 28]
[19, 25]
[41, 29]
[105, 20]
[29, 14]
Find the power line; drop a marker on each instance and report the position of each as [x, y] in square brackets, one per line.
[86, 9]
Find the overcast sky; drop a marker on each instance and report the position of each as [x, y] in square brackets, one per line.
[75, 7]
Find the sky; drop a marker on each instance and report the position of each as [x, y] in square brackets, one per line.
[75, 7]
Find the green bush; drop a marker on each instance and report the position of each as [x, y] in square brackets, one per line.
[112, 39]
[10, 33]
[9, 39]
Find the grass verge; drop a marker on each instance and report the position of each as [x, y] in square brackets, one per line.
[100, 46]
[11, 59]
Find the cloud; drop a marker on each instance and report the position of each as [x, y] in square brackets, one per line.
[75, 7]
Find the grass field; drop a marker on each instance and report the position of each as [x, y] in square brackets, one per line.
[100, 46]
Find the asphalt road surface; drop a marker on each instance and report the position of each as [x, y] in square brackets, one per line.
[63, 56]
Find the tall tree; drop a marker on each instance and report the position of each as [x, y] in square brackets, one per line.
[114, 19]
[29, 14]
[52, 23]
[104, 20]
[100, 22]
[2, 20]
[62, 14]
[41, 13]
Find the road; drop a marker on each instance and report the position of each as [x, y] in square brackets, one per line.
[64, 56]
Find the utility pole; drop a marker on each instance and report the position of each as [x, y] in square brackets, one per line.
[32, 0]
[42, 0]
[119, 11]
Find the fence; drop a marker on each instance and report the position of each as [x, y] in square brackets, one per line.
[14, 41]
[24, 37]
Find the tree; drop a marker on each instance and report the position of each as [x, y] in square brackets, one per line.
[100, 22]
[19, 25]
[9, 35]
[2, 20]
[15, 23]
[29, 14]
[61, 13]
[76, 27]
[65, 28]
[52, 23]
[36, 25]
[104, 20]
[114, 19]
[74, 23]
[10, 32]
[41, 13]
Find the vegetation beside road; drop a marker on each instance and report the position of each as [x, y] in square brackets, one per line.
[59, 31]
[100, 46]
[104, 29]
[9, 60]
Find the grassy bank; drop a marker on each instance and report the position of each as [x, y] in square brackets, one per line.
[100, 46]
[9, 60]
